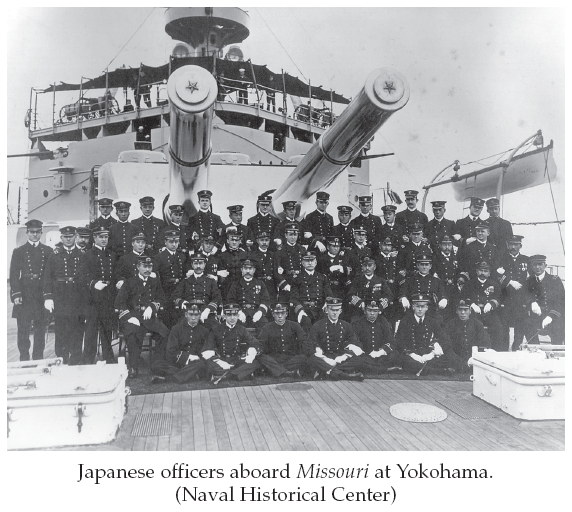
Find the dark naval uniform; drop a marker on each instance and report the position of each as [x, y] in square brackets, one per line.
[482, 293]
[169, 226]
[26, 270]
[184, 341]
[133, 298]
[265, 269]
[231, 227]
[353, 260]
[120, 235]
[407, 257]
[437, 229]
[501, 231]
[103, 222]
[395, 232]
[61, 285]
[337, 278]
[279, 231]
[414, 337]
[281, 347]
[549, 295]
[231, 261]
[203, 224]
[262, 224]
[467, 228]
[230, 345]
[514, 312]
[319, 224]
[345, 233]
[211, 262]
[287, 265]
[333, 340]
[363, 290]
[465, 335]
[372, 225]
[446, 268]
[198, 289]
[386, 268]
[376, 336]
[308, 294]
[169, 267]
[127, 266]
[408, 217]
[474, 253]
[151, 226]
[252, 297]
[98, 265]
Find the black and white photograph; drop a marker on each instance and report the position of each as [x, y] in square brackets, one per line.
[290, 229]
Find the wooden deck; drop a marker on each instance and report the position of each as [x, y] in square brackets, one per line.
[316, 416]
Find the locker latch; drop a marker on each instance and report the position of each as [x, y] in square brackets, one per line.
[545, 391]
[80, 411]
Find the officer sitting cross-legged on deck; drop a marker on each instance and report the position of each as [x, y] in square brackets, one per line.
[230, 351]
[281, 343]
[186, 341]
[420, 339]
[333, 349]
[138, 302]
[376, 336]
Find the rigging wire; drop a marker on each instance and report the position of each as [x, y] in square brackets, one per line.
[132, 36]
[547, 174]
[286, 51]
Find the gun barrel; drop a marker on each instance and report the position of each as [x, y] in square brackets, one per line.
[192, 93]
[385, 91]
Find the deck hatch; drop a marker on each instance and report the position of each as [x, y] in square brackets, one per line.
[470, 408]
[152, 424]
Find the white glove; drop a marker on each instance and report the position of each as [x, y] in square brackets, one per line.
[330, 361]
[153, 275]
[393, 254]
[417, 358]
[277, 241]
[249, 243]
[205, 314]
[476, 308]
[500, 271]
[437, 349]
[222, 273]
[211, 276]
[384, 302]
[470, 240]
[405, 238]
[49, 305]
[355, 349]
[307, 234]
[487, 308]
[147, 313]
[192, 358]
[301, 315]
[515, 284]
[195, 236]
[250, 355]
[535, 308]
[224, 365]
[118, 285]
[319, 352]
[207, 354]
[546, 321]
[428, 357]
[133, 321]
[280, 270]
[457, 236]
[341, 359]
[442, 303]
[405, 303]
[189, 273]
[287, 288]
[339, 268]
[100, 285]
[257, 316]
[320, 246]
[184, 304]
[377, 353]
[215, 250]
[242, 316]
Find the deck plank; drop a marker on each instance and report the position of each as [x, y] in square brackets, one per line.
[220, 426]
[199, 431]
[261, 443]
[266, 429]
[208, 419]
[268, 411]
[124, 440]
[232, 430]
[187, 422]
[176, 432]
[243, 426]
[167, 407]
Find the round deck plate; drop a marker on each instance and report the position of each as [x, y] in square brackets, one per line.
[417, 413]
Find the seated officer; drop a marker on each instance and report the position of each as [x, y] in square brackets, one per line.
[230, 351]
[128, 263]
[251, 295]
[281, 343]
[186, 340]
[138, 302]
[367, 287]
[333, 265]
[198, 287]
[484, 294]
[309, 292]
[332, 347]
[421, 341]
[376, 336]
[465, 333]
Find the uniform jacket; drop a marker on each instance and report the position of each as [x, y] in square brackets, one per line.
[264, 267]
[170, 268]
[345, 233]
[372, 224]
[279, 231]
[136, 295]
[466, 335]
[428, 284]
[395, 232]
[262, 224]
[252, 296]
[203, 224]
[365, 290]
[512, 269]
[548, 294]
[127, 266]
[501, 231]
[282, 339]
[483, 293]
[288, 258]
[467, 228]
[201, 288]
[337, 278]
[230, 344]
[184, 341]
[120, 235]
[309, 291]
[435, 229]
[231, 261]
[26, 272]
[374, 335]
[100, 222]
[474, 253]
[353, 259]
[446, 268]
[61, 282]
[151, 226]
[183, 244]
[98, 265]
[411, 337]
[319, 224]
[407, 257]
[332, 338]
[386, 268]
[407, 217]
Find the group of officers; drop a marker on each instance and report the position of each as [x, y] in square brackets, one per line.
[285, 297]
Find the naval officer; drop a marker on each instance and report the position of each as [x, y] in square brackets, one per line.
[150, 225]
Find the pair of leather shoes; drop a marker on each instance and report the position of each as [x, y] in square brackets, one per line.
[291, 373]
[352, 376]
[158, 379]
[215, 380]
[394, 369]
